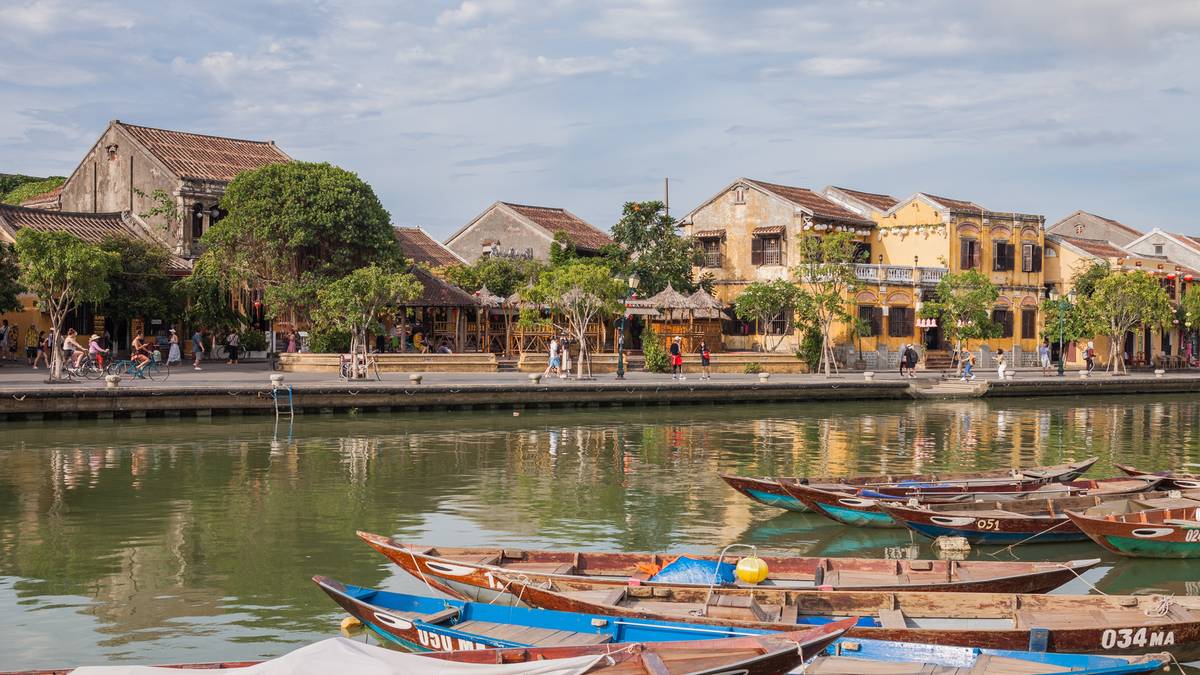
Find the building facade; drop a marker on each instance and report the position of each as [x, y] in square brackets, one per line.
[520, 230]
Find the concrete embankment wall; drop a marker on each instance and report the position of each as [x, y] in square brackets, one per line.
[171, 401]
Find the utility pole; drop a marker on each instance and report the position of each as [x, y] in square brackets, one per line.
[667, 195]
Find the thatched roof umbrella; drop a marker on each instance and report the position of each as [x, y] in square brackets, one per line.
[670, 300]
[487, 298]
[706, 306]
[488, 301]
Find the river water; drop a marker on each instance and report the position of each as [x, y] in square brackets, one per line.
[161, 541]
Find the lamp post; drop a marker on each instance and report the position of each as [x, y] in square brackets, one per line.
[631, 284]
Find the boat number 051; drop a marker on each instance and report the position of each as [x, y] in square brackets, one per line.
[987, 524]
[1124, 638]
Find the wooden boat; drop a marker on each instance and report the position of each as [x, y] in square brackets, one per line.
[768, 491]
[861, 508]
[850, 656]
[471, 573]
[1025, 520]
[1176, 480]
[1171, 532]
[435, 624]
[1121, 624]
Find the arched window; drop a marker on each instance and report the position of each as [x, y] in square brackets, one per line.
[197, 221]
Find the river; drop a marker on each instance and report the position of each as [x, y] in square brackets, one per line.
[159, 541]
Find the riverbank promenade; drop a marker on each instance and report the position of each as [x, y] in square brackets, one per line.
[220, 389]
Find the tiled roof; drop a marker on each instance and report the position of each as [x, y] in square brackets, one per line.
[708, 234]
[582, 234]
[90, 227]
[881, 202]
[1114, 223]
[817, 204]
[45, 199]
[1096, 247]
[419, 247]
[205, 157]
[1189, 239]
[438, 293]
[768, 229]
[955, 204]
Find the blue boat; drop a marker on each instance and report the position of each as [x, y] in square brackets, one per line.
[850, 656]
[435, 624]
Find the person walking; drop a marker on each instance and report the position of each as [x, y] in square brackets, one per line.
[174, 356]
[705, 361]
[233, 345]
[968, 362]
[1044, 356]
[43, 350]
[33, 341]
[291, 341]
[677, 359]
[568, 357]
[911, 356]
[197, 348]
[552, 363]
[904, 359]
[1001, 363]
[4, 331]
[1089, 356]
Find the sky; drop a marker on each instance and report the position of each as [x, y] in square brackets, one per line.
[1037, 106]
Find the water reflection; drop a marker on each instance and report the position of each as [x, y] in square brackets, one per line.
[195, 540]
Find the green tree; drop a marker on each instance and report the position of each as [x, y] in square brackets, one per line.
[139, 287]
[10, 271]
[1122, 302]
[63, 271]
[762, 301]
[502, 276]
[654, 249]
[581, 292]
[1189, 307]
[653, 352]
[962, 305]
[292, 228]
[355, 303]
[562, 250]
[31, 188]
[826, 276]
[206, 298]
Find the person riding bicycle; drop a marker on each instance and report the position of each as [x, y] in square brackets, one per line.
[95, 351]
[74, 351]
[140, 353]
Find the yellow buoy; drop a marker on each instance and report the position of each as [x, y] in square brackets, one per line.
[752, 569]
[350, 624]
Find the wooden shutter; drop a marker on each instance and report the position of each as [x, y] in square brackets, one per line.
[756, 251]
[1037, 259]
[976, 255]
[1028, 324]
[1027, 257]
[964, 253]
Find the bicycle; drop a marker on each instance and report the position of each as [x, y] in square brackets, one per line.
[155, 370]
[88, 368]
[366, 365]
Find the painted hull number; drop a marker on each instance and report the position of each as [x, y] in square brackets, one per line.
[1124, 638]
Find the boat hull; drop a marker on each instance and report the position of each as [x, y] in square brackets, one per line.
[765, 491]
[1164, 533]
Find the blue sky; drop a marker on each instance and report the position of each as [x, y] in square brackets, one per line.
[1041, 106]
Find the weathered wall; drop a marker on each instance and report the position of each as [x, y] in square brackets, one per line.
[1174, 252]
[1089, 226]
[507, 230]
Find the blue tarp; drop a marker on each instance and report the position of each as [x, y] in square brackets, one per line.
[685, 570]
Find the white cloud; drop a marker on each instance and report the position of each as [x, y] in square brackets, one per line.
[471, 11]
[50, 16]
[830, 66]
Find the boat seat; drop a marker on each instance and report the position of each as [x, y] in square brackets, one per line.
[613, 597]
[1189, 524]
[892, 618]
[541, 568]
[475, 559]
[442, 616]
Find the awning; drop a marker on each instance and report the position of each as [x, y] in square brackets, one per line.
[709, 234]
[769, 230]
[641, 311]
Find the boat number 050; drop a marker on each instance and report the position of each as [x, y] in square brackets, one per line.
[1123, 638]
[987, 524]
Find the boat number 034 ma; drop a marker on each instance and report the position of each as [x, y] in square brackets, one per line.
[1123, 638]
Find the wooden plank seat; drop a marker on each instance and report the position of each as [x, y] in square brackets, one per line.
[539, 637]
[892, 618]
[442, 616]
[475, 558]
[541, 568]
[1189, 524]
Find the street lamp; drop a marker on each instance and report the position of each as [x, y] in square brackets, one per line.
[632, 284]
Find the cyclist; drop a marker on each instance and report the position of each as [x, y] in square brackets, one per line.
[140, 352]
[96, 352]
[73, 350]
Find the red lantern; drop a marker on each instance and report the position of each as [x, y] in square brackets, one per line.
[1171, 275]
[1187, 277]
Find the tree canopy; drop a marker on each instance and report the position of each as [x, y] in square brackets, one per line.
[356, 302]
[826, 276]
[653, 248]
[291, 228]
[502, 276]
[1122, 302]
[10, 271]
[63, 271]
[24, 187]
[580, 292]
[962, 304]
[762, 301]
[139, 288]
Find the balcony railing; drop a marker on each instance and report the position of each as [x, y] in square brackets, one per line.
[712, 260]
[899, 274]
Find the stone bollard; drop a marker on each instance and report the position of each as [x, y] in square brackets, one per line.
[1159, 372]
[276, 379]
[763, 377]
[111, 381]
[535, 378]
[415, 378]
[869, 375]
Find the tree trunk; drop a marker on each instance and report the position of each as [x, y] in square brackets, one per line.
[57, 318]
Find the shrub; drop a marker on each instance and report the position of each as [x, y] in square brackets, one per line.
[752, 368]
[253, 341]
[809, 352]
[329, 341]
[654, 353]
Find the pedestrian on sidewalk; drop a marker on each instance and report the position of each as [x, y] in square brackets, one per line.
[173, 355]
[903, 358]
[1044, 356]
[4, 331]
[197, 348]
[43, 353]
[1001, 363]
[705, 361]
[1089, 356]
[677, 359]
[570, 351]
[911, 356]
[553, 364]
[33, 341]
[968, 362]
[232, 345]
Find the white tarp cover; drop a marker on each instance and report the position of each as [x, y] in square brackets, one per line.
[339, 655]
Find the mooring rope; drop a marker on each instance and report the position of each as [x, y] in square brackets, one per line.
[1026, 539]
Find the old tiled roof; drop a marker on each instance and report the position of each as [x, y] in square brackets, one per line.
[955, 204]
[708, 234]
[419, 247]
[881, 202]
[1194, 242]
[44, 200]
[817, 204]
[90, 227]
[1115, 223]
[582, 234]
[438, 293]
[205, 157]
[1096, 247]
[768, 229]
